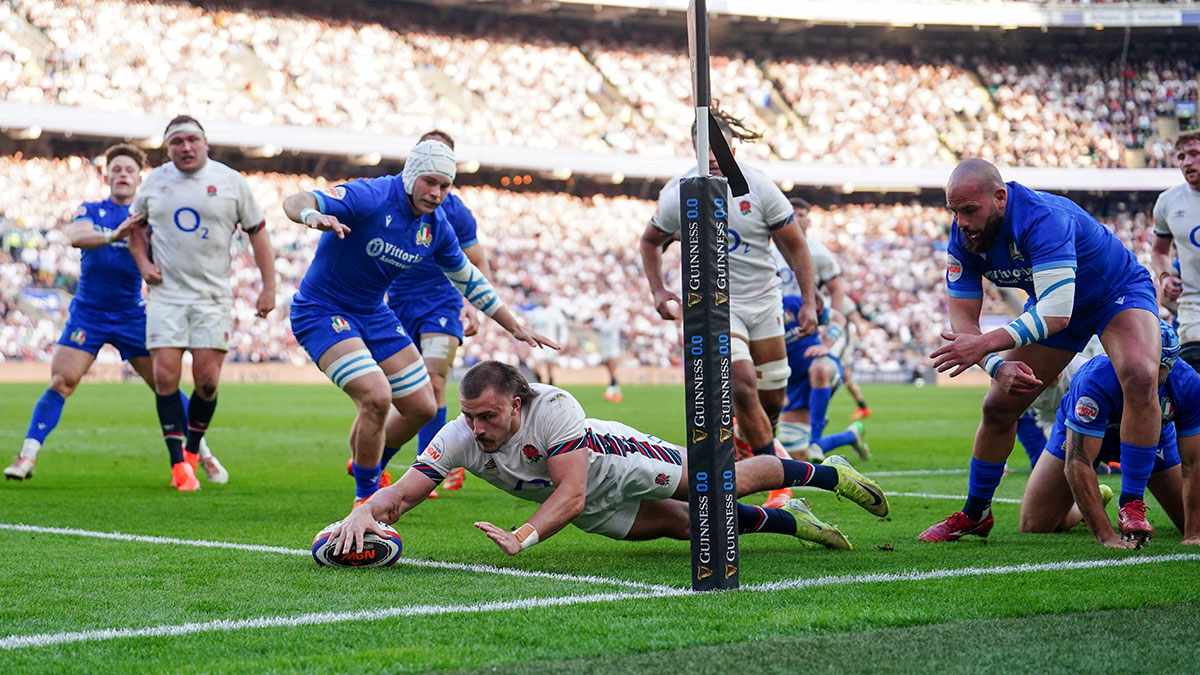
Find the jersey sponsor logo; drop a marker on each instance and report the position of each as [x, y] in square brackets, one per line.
[337, 192]
[1086, 409]
[392, 254]
[662, 479]
[432, 453]
[953, 268]
[1010, 277]
[340, 324]
[532, 455]
[78, 336]
[424, 237]
[744, 206]
[212, 190]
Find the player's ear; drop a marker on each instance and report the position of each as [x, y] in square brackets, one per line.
[516, 404]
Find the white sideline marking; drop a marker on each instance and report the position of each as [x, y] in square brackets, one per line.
[941, 472]
[416, 562]
[46, 639]
[926, 495]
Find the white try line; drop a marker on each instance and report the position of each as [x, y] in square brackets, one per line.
[319, 618]
[415, 562]
[928, 495]
[942, 472]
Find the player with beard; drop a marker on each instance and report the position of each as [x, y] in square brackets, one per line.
[1081, 281]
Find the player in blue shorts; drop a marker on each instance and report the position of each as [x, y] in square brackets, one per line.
[431, 311]
[1081, 281]
[1085, 434]
[108, 307]
[375, 229]
[816, 374]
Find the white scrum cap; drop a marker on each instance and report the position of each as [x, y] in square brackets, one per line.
[428, 157]
[180, 127]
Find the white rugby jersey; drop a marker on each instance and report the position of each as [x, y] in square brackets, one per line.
[1177, 213]
[825, 267]
[192, 219]
[751, 219]
[609, 331]
[551, 424]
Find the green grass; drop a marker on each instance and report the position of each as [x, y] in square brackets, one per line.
[104, 469]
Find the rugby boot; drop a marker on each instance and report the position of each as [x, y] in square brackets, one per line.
[811, 528]
[20, 469]
[1131, 518]
[183, 478]
[777, 498]
[860, 413]
[860, 443]
[858, 488]
[454, 479]
[957, 526]
[214, 471]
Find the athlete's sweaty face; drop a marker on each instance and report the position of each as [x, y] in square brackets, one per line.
[1189, 163]
[978, 210]
[492, 417]
[429, 190]
[188, 150]
[123, 176]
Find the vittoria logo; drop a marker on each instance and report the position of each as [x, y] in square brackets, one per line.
[78, 336]
[531, 454]
[744, 205]
[1086, 409]
[340, 324]
[424, 236]
[212, 190]
[662, 479]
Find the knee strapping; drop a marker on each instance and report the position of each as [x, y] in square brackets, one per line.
[411, 378]
[773, 375]
[794, 436]
[351, 366]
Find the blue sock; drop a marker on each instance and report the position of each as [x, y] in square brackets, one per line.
[46, 414]
[836, 440]
[759, 519]
[1137, 463]
[802, 473]
[388, 454]
[981, 486]
[185, 400]
[366, 480]
[1031, 437]
[818, 410]
[427, 432]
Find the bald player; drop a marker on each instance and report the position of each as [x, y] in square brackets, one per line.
[192, 207]
[1081, 281]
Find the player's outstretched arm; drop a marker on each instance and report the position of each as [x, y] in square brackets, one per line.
[1169, 283]
[1189, 454]
[568, 471]
[1081, 476]
[386, 505]
[139, 248]
[264, 258]
[301, 207]
[666, 303]
[793, 245]
[85, 236]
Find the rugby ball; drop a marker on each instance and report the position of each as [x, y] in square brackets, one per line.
[377, 551]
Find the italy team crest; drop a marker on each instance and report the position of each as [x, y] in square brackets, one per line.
[424, 236]
[340, 324]
[78, 336]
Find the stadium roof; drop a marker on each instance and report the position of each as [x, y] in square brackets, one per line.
[30, 121]
[785, 13]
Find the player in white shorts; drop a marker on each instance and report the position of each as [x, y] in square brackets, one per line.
[1176, 215]
[550, 321]
[759, 355]
[193, 206]
[608, 329]
[534, 442]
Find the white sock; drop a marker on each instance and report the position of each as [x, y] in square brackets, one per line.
[30, 449]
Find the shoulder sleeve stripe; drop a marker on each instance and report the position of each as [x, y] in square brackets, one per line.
[320, 200]
[255, 228]
[565, 447]
[783, 222]
[959, 293]
[1078, 428]
[1055, 264]
[430, 472]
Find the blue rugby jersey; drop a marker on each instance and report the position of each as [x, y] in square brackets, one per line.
[109, 280]
[386, 239]
[1044, 231]
[1094, 401]
[424, 283]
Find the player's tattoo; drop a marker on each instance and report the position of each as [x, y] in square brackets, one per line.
[1075, 451]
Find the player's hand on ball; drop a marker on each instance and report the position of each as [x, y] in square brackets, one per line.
[507, 541]
[327, 223]
[350, 535]
[667, 305]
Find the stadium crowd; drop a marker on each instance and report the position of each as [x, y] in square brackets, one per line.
[583, 88]
[579, 252]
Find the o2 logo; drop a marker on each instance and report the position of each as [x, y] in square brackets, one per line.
[735, 241]
[187, 219]
[1192, 236]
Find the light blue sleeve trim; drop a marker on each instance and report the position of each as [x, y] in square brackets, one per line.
[1187, 432]
[1055, 265]
[955, 293]
[1078, 428]
[320, 200]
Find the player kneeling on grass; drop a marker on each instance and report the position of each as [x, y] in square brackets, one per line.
[534, 442]
[1087, 431]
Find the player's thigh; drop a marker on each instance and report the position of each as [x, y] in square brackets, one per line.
[409, 383]
[144, 368]
[1133, 341]
[1048, 497]
[67, 366]
[167, 363]
[438, 350]
[1045, 362]
[167, 326]
[658, 518]
[209, 325]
